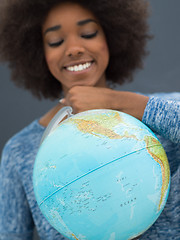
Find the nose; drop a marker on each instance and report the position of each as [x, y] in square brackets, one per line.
[74, 48]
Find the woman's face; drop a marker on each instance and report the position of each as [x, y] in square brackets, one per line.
[75, 47]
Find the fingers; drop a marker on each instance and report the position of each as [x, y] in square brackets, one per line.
[65, 102]
[62, 101]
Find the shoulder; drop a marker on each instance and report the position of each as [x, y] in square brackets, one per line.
[166, 96]
[22, 144]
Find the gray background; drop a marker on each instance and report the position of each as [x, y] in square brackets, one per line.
[161, 72]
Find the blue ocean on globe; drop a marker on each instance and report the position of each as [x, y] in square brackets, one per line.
[101, 175]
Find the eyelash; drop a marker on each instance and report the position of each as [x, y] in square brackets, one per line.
[87, 36]
[56, 44]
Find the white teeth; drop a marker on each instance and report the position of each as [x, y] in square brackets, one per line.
[79, 67]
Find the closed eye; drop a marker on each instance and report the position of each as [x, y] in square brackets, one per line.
[91, 35]
[56, 44]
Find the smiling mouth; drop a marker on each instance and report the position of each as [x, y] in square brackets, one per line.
[79, 67]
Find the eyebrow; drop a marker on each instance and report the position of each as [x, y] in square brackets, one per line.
[83, 22]
[52, 29]
[80, 23]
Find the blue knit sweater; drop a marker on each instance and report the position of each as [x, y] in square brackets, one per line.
[19, 212]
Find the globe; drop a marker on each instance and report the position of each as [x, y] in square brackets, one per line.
[101, 175]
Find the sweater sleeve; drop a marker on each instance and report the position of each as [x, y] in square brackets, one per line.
[15, 218]
[162, 115]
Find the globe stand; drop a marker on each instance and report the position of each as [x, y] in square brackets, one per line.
[65, 111]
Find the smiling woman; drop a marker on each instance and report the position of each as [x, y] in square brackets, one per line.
[73, 48]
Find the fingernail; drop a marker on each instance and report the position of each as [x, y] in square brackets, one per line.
[62, 100]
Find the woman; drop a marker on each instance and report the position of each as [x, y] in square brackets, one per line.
[70, 49]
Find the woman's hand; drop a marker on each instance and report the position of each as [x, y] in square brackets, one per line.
[82, 98]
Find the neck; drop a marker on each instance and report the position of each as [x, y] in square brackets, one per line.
[45, 119]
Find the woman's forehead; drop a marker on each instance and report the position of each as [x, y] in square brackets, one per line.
[67, 11]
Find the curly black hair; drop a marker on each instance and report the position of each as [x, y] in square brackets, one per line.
[124, 23]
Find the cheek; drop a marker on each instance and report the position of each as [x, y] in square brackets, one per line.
[49, 59]
[51, 63]
[105, 49]
[105, 52]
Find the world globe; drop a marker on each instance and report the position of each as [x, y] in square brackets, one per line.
[101, 175]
